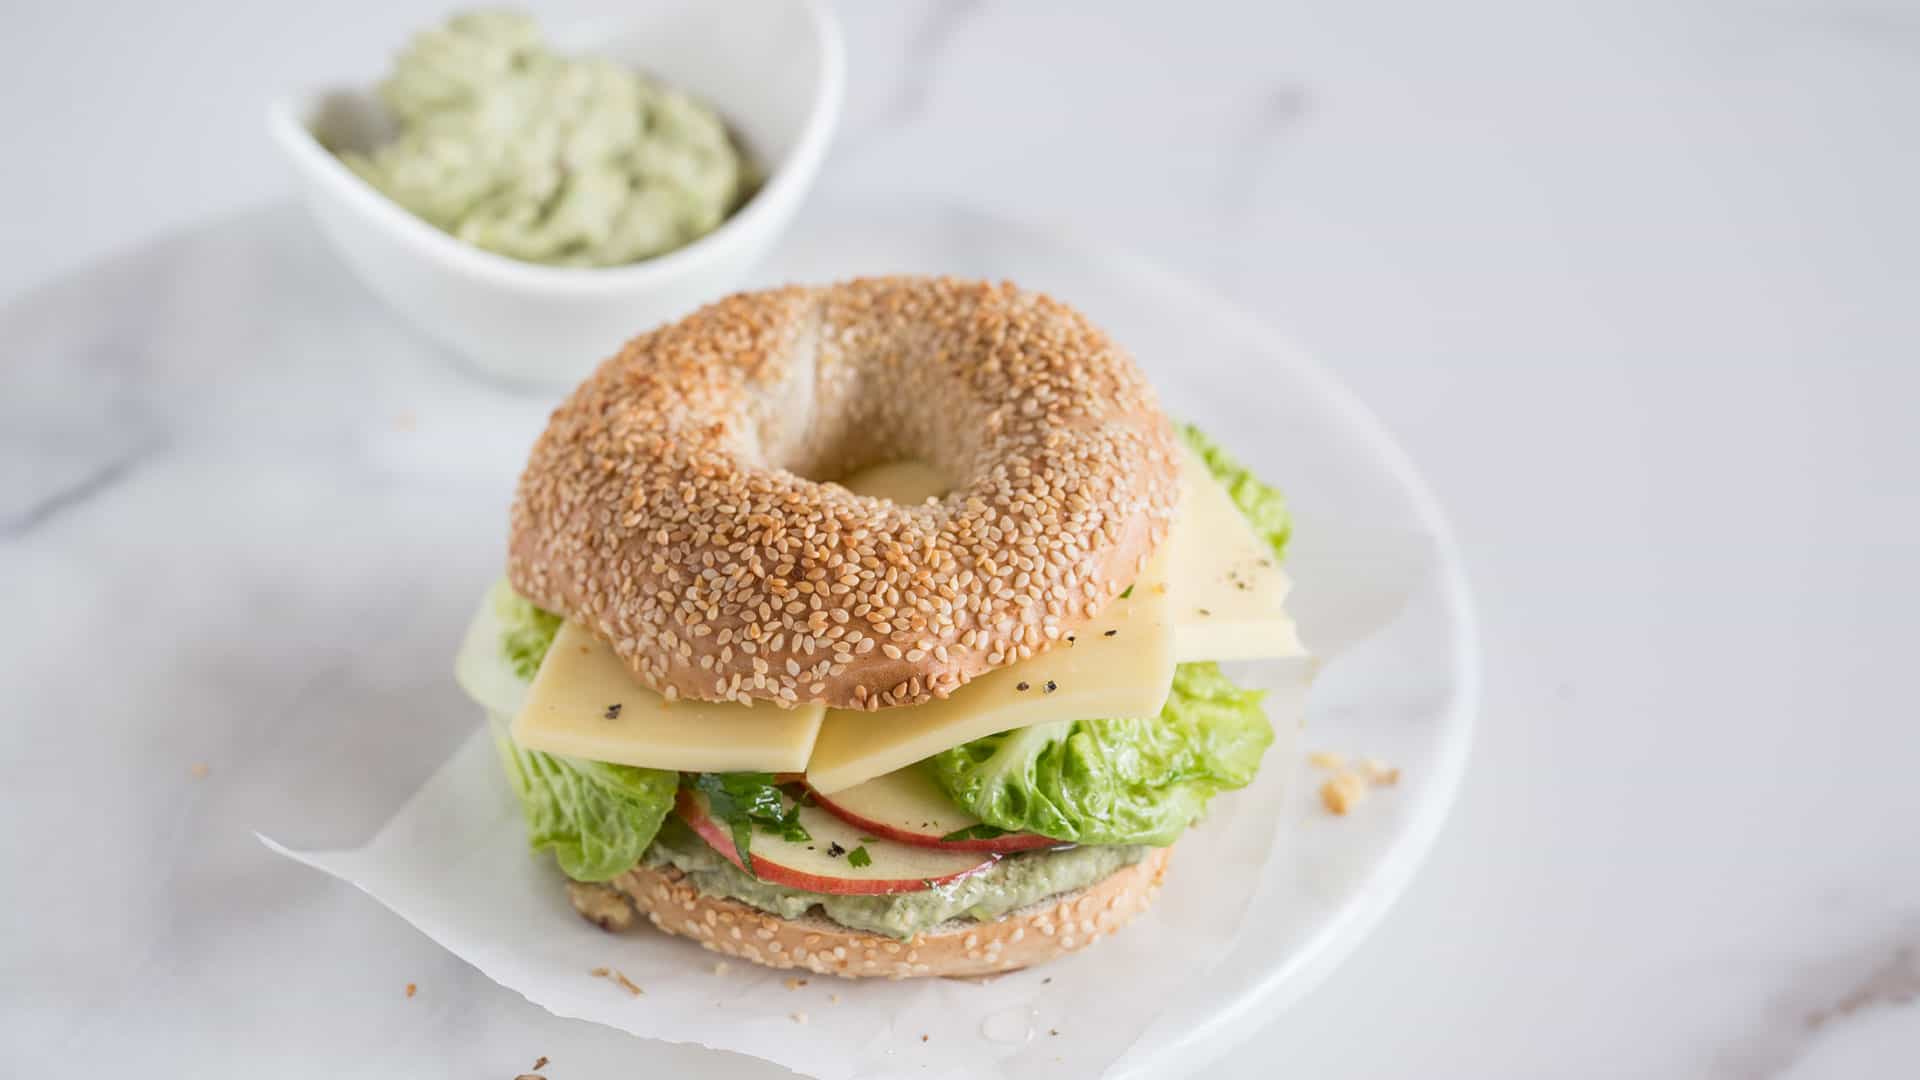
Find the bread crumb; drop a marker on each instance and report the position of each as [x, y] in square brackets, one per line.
[799, 1017]
[1343, 792]
[412, 989]
[529, 1076]
[198, 771]
[795, 983]
[541, 1064]
[1379, 773]
[1327, 759]
[720, 968]
[923, 1038]
[1053, 1031]
[833, 999]
[615, 974]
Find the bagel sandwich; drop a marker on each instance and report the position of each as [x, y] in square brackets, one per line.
[875, 629]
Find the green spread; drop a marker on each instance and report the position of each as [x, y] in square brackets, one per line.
[1013, 882]
[546, 158]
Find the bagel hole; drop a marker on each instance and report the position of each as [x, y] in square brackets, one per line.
[907, 482]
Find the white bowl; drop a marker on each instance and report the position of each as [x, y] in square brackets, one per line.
[774, 69]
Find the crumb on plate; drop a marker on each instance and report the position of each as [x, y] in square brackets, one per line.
[1343, 792]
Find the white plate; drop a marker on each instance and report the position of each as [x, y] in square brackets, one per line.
[243, 516]
[1350, 486]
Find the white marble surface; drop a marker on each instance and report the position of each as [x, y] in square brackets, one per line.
[1638, 285]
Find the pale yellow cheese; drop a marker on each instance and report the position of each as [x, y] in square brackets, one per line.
[570, 711]
[1119, 664]
[1228, 591]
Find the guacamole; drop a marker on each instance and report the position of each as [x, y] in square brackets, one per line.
[546, 158]
[1013, 882]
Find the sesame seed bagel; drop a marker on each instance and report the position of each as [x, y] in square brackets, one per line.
[668, 507]
[1031, 935]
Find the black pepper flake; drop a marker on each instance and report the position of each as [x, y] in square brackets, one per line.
[613, 711]
[1110, 633]
[1052, 686]
[834, 850]
[1053, 1031]
[1022, 685]
[1046, 980]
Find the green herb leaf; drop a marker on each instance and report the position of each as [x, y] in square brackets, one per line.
[982, 831]
[858, 857]
[744, 800]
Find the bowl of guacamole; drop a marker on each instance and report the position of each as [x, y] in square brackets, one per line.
[534, 199]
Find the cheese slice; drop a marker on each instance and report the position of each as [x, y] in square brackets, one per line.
[1229, 593]
[585, 703]
[1119, 664]
[1217, 593]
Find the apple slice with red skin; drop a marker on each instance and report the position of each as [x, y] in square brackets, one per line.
[823, 864]
[905, 805]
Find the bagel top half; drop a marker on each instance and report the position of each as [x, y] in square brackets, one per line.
[667, 506]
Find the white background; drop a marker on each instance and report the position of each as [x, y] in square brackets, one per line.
[1637, 284]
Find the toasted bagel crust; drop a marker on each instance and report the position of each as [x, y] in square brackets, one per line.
[666, 506]
[1032, 935]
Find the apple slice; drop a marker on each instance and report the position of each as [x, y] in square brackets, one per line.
[824, 863]
[907, 806]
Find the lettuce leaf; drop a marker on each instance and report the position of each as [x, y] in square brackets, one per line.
[1139, 781]
[597, 818]
[527, 631]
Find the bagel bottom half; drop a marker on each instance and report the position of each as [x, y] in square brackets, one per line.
[1041, 931]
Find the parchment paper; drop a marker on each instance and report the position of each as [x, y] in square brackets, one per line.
[454, 862]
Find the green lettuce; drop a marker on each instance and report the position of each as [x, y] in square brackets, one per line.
[1138, 781]
[527, 632]
[597, 818]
